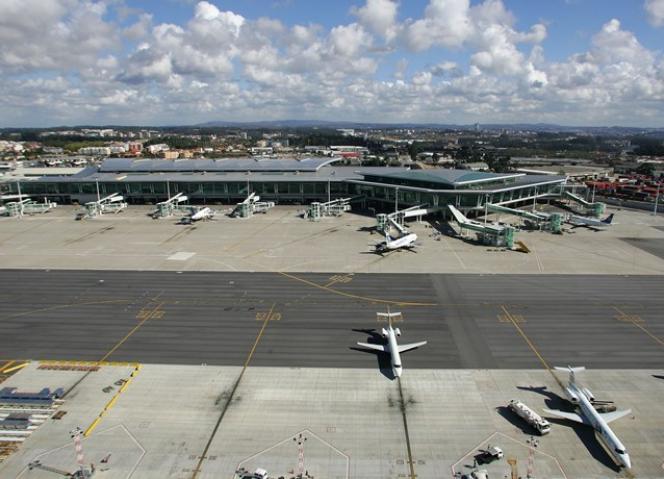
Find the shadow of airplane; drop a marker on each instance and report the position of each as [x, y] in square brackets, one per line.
[553, 400]
[443, 227]
[383, 359]
[657, 377]
[386, 253]
[585, 433]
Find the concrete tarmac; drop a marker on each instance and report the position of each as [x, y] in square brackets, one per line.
[470, 321]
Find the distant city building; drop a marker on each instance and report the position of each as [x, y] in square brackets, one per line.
[346, 131]
[261, 150]
[95, 150]
[98, 133]
[53, 150]
[154, 149]
[118, 148]
[134, 147]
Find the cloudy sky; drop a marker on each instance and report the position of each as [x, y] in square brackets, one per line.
[161, 62]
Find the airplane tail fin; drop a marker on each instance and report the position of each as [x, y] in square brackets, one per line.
[458, 215]
[571, 371]
[608, 219]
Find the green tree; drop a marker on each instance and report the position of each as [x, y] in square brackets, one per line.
[647, 169]
[413, 150]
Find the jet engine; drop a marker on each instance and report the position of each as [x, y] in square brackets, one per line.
[397, 331]
[572, 396]
[589, 394]
[384, 332]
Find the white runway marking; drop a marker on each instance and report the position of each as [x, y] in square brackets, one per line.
[180, 256]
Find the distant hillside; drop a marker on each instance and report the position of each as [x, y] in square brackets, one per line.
[544, 127]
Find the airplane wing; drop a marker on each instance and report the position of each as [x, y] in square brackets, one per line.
[408, 347]
[376, 347]
[568, 415]
[612, 416]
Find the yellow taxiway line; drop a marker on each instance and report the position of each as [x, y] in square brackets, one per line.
[197, 469]
[112, 401]
[630, 319]
[531, 346]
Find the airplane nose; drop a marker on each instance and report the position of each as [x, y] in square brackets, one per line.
[626, 462]
[397, 372]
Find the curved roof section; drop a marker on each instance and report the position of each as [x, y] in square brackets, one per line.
[147, 165]
[447, 177]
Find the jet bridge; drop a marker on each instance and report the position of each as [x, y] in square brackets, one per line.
[170, 206]
[399, 217]
[25, 206]
[491, 234]
[109, 204]
[250, 206]
[546, 221]
[332, 208]
[594, 209]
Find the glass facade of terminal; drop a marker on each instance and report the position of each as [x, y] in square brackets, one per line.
[369, 191]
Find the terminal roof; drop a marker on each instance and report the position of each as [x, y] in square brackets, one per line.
[445, 177]
[146, 165]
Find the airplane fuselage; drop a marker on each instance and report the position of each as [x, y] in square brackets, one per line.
[576, 220]
[406, 241]
[391, 346]
[202, 214]
[590, 414]
[393, 349]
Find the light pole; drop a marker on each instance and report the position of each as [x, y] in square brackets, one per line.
[656, 200]
[20, 197]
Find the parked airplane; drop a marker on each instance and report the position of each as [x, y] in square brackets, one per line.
[392, 348]
[582, 397]
[586, 221]
[406, 241]
[198, 215]
[474, 225]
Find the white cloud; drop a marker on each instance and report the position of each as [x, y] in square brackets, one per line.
[62, 62]
[53, 34]
[140, 28]
[612, 44]
[445, 23]
[349, 40]
[379, 16]
[655, 10]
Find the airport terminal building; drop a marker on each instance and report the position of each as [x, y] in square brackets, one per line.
[288, 181]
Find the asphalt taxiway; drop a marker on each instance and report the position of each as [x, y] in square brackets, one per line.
[313, 320]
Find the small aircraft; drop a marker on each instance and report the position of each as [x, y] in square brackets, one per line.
[407, 241]
[593, 223]
[392, 348]
[583, 398]
[198, 215]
